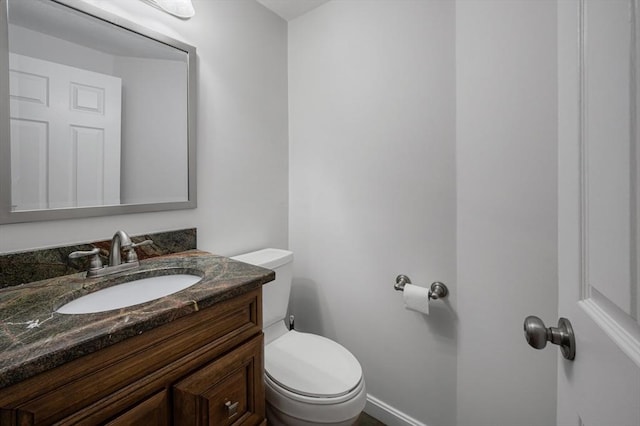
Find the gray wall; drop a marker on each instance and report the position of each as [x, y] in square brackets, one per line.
[372, 193]
[154, 128]
[507, 209]
[242, 134]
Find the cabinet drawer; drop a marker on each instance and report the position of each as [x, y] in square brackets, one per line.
[228, 391]
[153, 411]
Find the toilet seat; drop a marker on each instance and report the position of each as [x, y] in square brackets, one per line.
[311, 380]
[312, 367]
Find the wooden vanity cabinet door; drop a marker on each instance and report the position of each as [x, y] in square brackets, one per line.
[152, 411]
[228, 391]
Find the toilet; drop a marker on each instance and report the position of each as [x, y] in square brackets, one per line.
[309, 379]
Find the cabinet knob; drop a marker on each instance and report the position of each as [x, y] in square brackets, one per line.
[232, 408]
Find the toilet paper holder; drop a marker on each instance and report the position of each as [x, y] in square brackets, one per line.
[437, 291]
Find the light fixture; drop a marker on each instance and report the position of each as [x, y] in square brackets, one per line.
[180, 8]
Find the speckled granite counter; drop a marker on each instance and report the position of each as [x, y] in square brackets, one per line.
[34, 338]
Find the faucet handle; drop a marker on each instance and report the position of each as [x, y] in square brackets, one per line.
[95, 262]
[142, 243]
[132, 256]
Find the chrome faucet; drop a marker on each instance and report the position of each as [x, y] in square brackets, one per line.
[119, 242]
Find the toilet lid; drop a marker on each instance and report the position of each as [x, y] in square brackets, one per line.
[311, 365]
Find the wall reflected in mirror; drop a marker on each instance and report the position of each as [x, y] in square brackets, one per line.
[98, 113]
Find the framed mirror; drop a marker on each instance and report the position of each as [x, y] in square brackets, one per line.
[97, 114]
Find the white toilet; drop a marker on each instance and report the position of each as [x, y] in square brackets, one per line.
[309, 379]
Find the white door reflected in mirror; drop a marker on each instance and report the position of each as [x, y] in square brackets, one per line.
[65, 136]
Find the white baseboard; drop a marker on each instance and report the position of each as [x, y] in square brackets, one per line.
[387, 414]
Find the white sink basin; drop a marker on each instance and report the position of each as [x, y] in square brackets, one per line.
[129, 294]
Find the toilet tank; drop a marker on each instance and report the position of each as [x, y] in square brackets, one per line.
[275, 295]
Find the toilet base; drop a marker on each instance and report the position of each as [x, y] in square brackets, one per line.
[276, 417]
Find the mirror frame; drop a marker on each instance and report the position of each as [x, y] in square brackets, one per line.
[8, 216]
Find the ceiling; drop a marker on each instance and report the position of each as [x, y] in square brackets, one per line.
[291, 9]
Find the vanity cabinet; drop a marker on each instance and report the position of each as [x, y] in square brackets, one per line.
[205, 368]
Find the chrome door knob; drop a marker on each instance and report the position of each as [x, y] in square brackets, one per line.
[537, 335]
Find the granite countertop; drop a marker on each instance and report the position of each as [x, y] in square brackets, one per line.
[34, 338]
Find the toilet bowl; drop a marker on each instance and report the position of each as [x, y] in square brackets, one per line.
[309, 379]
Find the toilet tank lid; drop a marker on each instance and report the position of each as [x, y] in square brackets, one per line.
[269, 258]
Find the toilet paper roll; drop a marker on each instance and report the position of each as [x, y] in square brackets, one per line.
[416, 298]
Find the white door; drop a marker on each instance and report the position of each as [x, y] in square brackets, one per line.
[598, 212]
[65, 135]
